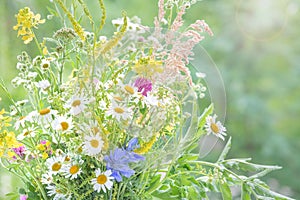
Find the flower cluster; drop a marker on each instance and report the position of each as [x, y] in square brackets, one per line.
[110, 118]
[26, 21]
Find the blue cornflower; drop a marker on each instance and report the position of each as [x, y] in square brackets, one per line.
[119, 159]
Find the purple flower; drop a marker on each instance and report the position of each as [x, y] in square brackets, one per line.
[118, 161]
[143, 85]
[20, 151]
[23, 197]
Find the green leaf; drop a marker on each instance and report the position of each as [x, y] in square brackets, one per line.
[11, 194]
[22, 191]
[265, 192]
[263, 173]
[225, 151]
[245, 194]
[242, 164]
[225, 191]
[202, 119]
[154, 184]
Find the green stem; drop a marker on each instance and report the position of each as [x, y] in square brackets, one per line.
[218, 167]
[41, 188]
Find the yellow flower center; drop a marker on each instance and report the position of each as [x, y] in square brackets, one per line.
[74, 169]
[64, 125]
[58, 191]
[44, 111]
[76, 103]
[67, 158]
[118, 98]
[95, 129]
[45, 66]
[94, 143]
[214, 128]
[56, 167]
[129, 89]
[101, 179]
[119, 110]
[21, 118]
[26, 133]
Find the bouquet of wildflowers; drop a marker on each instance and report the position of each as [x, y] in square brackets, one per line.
[117, 117]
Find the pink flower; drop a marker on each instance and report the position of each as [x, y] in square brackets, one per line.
[23, 197]
[143, 85]
[20, 151]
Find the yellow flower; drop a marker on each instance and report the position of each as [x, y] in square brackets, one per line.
[77, 28]
[146, 146]
[45, 155]
[7, 140]
[26, 20]
[147, 66]
[11, 141]
[11, 154]
[41, 147]
[4, 120]
[1, 151]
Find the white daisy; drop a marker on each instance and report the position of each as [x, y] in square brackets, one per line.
[102, 181]
[45, 64]
[43, 116]
[119, 112]
[128, 88]
[62, 123]
[57, 193]
[27, 132]
[150, 100]
[47, 179]
[77, 104]
[72, 170]
[214, 127]
[93, 145]
[43, 84]
[20, 122]
[55, 164]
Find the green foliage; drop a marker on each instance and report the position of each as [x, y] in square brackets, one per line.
[261, 80]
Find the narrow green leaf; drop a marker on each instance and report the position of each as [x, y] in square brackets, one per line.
[262, 173]
[245, 194]
[225, 151]
[242, 164]
[225, 191]
[155, 183]
[205, 114]
[269, 193]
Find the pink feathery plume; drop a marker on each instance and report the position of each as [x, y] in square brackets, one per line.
[201, 26]
[161, 10]
[158, 20]
[178, 22]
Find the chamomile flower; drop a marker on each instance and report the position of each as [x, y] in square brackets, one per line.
[129, 88]
[27, 133]
[102, 181]
[43, 116]
[214, 127]
[20, 122]
[62, 123]
[45, 64]
[93, 145]
[55, 164]
[57, 193]
[72, 170]
[77, 104]
[151, 100]
[47, 179]
[119, 112]
[43, 85]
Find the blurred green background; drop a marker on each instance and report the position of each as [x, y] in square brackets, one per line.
[256, 47]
